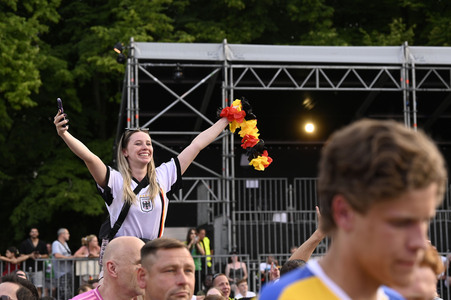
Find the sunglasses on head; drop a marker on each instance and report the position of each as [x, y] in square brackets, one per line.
[136, 129]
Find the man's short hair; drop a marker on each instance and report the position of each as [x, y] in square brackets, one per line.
[200, 228]
[27, 289]
[24, 293]
[373, 160]
[241, 281]
[291, 265]
[61, 231]
[151, 248]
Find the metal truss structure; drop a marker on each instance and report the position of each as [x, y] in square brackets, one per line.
[225, 69]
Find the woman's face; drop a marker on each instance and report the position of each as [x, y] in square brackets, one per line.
[139, 149]
[93, 242]
[9, 254]
[192, 234]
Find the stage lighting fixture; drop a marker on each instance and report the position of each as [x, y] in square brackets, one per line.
[178, 73]
[118, 48]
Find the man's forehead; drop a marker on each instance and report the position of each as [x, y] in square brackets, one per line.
[173, 256]
[220, 279]
[9, 289]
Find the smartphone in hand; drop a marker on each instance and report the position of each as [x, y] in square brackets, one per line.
[60, 107]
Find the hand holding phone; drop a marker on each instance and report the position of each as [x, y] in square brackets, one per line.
[60, 107]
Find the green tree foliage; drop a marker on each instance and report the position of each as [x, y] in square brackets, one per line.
[258, 22]
[63, 48]
[22, 22]
[396, 36]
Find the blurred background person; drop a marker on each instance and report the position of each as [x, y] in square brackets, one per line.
[12, 260]
[235, 270]
[423, 286]
[243, 290]
[34, 268]
[196, 249]
[89, 247]
[62, 264]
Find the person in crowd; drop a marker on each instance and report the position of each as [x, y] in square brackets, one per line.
[120, 264]
[37, 247]
[213, 291]
[208, 283]
[22, 288]
[205, 243]
[167, 270]
[379, 185]
[274, 272]
[424, 283]
[50, 283]
[84, 288]
[291, 265]
[13, 260]
[265, 268]
[221, 282]
[62, 264]
[20, 273]
[215, 297]
[196, 249]
[93, 282]
[135, 161]
[13, 290]
[235, 270]
[305, 251]
[243, 290]
[89, 247]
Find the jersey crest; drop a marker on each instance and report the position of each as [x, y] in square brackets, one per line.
[146, 203]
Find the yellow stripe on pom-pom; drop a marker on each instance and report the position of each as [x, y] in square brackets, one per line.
[249, 127]
[237, 104]
[259, 163]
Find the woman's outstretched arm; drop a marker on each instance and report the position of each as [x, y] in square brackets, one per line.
[201, 141]
[95, 165]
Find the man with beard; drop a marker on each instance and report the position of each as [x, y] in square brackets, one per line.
[39, 249]
[167, 270]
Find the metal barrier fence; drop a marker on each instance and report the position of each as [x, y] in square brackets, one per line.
[57, 278]
[61, 278]
[271, 216]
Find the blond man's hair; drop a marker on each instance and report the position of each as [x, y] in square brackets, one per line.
[374, 160]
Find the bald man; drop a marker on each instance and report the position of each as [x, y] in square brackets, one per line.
[121, 261]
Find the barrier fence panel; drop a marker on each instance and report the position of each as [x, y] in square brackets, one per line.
[61, 278]
[58, 278]
[282, 215]
[268, 219]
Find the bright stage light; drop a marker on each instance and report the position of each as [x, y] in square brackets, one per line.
[309, 128]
